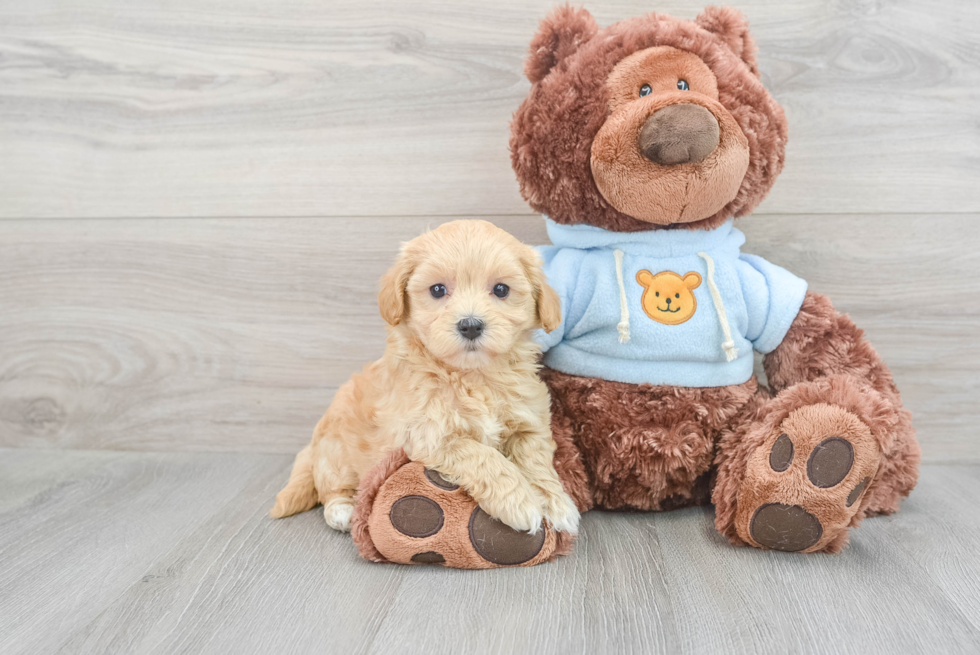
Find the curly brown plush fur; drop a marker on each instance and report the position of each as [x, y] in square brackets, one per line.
[656, 448]
[824, 344]
[645, 447]
[460, 535]
[552, 131]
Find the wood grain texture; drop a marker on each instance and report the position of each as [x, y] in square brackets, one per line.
[226, 578]
[78, 528]
[232, 334]
[238, 108]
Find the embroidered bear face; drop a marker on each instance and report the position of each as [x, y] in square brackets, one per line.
[669, 298]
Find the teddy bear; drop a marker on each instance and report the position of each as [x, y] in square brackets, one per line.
[641, 143]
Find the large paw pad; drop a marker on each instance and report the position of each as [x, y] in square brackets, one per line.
[802, 486]
[419, 517]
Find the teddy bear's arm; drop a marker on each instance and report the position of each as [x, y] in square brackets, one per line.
[821, 343]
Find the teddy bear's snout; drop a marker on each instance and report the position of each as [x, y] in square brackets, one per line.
[679, 134]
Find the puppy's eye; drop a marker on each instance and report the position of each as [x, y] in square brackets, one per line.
[683, 85]
[501, 290]
[645, 90]
[437, 290]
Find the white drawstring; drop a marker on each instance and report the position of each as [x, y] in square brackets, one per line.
[728, 345]
[624, 310]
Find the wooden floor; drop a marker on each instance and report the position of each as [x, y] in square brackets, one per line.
[197, 198]
[159, 553]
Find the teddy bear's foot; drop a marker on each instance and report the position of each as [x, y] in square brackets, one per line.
[802, 487]
[408, 514]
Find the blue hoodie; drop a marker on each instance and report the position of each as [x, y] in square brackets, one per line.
[665, 307]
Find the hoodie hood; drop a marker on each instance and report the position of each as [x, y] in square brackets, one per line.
[656, 243]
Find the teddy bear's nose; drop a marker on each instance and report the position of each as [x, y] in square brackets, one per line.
[679, 134]
[668, 301]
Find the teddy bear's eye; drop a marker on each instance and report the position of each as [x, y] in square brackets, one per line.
[683, 85]
[437, 290]
[677, 295]
[501, 290]
[645, 90]
[657, 293]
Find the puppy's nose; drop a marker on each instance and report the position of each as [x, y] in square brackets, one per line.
[679, 134]
[470, 328]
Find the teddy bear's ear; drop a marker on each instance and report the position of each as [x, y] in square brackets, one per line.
[560, 34]
[730, 25]
[644, 278]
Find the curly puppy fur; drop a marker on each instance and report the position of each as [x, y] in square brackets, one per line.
[473, 409]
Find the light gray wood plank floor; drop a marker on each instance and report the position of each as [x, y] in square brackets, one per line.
[105, 552]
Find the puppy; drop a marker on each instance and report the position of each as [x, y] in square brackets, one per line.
[457, 387]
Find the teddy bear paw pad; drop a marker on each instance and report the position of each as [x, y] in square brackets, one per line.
[501, 544]
[420, 517]
[802, 486]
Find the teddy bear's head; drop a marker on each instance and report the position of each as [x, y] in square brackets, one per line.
[651, 122]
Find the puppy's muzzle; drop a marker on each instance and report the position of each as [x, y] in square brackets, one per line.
[470, 328]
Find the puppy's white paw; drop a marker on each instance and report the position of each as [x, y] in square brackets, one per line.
[525, 520]
[517, 511]
[561, 513]
[338, 512]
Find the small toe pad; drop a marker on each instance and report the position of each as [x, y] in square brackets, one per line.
[830, 462]
[501, 544]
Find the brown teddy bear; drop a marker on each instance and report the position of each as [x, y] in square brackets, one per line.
[641, 142]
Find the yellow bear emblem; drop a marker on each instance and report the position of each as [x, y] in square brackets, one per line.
[667, 297]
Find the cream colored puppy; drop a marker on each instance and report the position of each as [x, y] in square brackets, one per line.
[457, 387]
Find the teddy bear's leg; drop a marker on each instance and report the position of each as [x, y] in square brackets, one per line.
[833, 446]
[643, 447]
[408, 514]
[568, 459]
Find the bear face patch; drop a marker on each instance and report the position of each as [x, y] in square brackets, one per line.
[669, 298]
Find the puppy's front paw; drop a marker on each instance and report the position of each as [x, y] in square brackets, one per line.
[338, 512]
[518, 511]
[561, 513]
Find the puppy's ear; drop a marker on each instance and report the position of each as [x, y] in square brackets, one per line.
[392, 299]
[546, 300]
[549, 307]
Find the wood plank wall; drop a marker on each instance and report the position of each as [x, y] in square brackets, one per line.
[197, 197]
